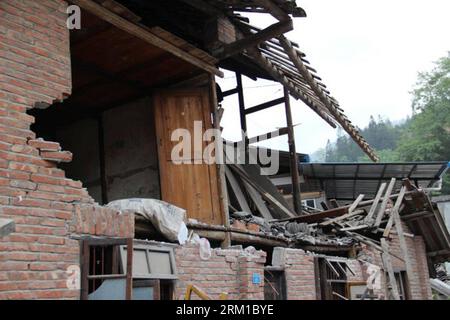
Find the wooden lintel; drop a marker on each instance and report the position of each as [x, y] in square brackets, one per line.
[144, 34]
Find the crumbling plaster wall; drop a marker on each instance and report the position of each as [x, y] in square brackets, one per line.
[48, 208]
[227, 271]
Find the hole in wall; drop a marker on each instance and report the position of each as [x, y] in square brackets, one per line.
[107, 122]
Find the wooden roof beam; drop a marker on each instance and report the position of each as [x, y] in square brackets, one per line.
[292, 87]
[274, 9]
[238, 46]
[144, 34]
[351, 130]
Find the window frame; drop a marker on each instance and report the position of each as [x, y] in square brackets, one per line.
[151, 248]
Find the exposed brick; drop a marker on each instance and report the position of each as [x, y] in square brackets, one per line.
[45, 145]
[61, 156]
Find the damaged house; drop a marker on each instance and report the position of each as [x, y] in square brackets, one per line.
[92, 205]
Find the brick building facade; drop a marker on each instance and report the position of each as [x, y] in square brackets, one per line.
[52, 211]
[48, 208]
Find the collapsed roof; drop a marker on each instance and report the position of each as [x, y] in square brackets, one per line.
[263, 53]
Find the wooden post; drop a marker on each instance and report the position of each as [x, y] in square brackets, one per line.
[403, 246]
[85, 257]
[129, 280]
[242, 109]
[387, 264]
[220, 166]
[293, 155]
[102, 160]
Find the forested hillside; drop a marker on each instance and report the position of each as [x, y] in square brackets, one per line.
[423, 137]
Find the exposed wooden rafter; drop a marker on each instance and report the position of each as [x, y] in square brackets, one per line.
[144, 34]
[325, 99]
[238, 46]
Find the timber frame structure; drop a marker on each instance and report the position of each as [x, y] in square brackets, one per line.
[113, 93]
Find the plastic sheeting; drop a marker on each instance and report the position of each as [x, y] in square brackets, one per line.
[166, 218]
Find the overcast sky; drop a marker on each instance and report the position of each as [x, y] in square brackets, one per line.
[367, 52]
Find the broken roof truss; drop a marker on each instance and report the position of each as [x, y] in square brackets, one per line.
[268, 50]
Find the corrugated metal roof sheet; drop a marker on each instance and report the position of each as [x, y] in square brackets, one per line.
[345, 181]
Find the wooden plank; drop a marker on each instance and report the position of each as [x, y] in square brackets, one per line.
[192, 185]
[254, 172]
[7, 227]
[370, 242]
[383, 206]
[120, 10]
[387, 263]
[129, 276]
[267, 196]
[237, 191]
[332, 268]
[344, 217]
[355, 203]
[143, 34]
[394, 212]
[417, 215]
[293, 157]
[241, 101]
[403, 246]
[265, 105]
[274, 10]
[85, 259]
[220, 167]
[353, 228]
[336, 212]
[258, 201]
[179, 42]
[374, 206]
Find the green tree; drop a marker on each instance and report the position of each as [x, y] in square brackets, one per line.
[423, 137]
[427, 136]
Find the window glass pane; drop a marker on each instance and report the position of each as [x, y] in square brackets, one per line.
[140, 265]
[160, 262]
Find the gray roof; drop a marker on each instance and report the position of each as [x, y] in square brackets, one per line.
[345, 181]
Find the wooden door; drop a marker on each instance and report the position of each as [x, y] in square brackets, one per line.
[193, 187]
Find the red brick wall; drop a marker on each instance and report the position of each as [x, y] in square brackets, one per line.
[299, 272]
[48, 208]
[229, 271]
[301, 277]
[419, 284]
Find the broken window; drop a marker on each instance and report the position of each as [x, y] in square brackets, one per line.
[402, 285]
[101, 275]
[128, 97]
[333, 278]
[151, 262]
[310, 203]
[105, 275]
[274, 284]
